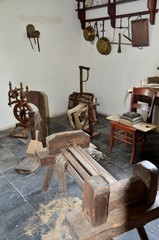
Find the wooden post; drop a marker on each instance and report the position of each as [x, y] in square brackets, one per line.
[96, 200]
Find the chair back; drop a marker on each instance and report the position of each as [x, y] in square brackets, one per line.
[143, 99]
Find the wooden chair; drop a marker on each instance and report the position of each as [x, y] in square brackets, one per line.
[142, 99]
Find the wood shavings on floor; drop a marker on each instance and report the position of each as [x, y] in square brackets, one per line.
[94, 153]
[53, 214]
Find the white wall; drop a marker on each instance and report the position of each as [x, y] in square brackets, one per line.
[112, 75]
[55, 70]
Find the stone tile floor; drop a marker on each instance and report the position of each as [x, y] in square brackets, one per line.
[29, 213]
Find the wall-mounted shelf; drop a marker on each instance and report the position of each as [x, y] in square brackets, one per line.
[111, 10]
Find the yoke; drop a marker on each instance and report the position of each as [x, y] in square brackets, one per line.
[109, 207]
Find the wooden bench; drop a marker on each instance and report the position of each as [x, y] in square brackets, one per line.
[109, 207]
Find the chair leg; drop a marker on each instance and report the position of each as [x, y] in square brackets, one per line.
[142, 233]
[111, 138]
[133, 147]
[143, 142]
[126, 137]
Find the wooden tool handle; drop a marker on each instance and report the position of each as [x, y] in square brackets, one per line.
[36, 134]
[119, 44]
[38, 44]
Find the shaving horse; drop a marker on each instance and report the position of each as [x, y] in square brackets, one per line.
[109, 207]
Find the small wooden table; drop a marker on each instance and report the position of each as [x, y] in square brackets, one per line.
[142, 126]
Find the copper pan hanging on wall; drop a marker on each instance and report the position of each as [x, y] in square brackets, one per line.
[103, 44]
[89, 33]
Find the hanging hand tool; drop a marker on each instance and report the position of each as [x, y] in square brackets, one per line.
[31, 43]
[36, 36]
[32, 33]
[127, 37]
[30, 29]
[38, 44]
[81, 77]
[96, 30]
[127, 28]
[119, 35]
[119, 43]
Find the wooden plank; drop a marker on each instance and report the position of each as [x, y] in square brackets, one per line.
[92, 171]
[119, 221]
[75, 176]
[96, 200]
[101, 171]
[63, 139]
[28, 165]
[114, 118]
[83, 174]
[144, 127]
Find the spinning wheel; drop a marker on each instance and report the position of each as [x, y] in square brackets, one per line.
[21, 113]
[21, 109]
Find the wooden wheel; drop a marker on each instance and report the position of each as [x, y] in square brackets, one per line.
[21, 113]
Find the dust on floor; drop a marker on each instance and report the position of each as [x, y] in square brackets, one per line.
[54, 214]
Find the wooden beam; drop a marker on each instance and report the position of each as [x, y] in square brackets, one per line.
[55, 142]
[119, 220]
[96, 200]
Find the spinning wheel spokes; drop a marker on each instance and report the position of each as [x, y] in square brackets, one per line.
[21, 113]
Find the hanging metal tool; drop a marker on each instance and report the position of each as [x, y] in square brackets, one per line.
[96, 30]
[81, 77]
[119, 43]
[36, 37]
[38, 41]
[119, 35]
[128, 29]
